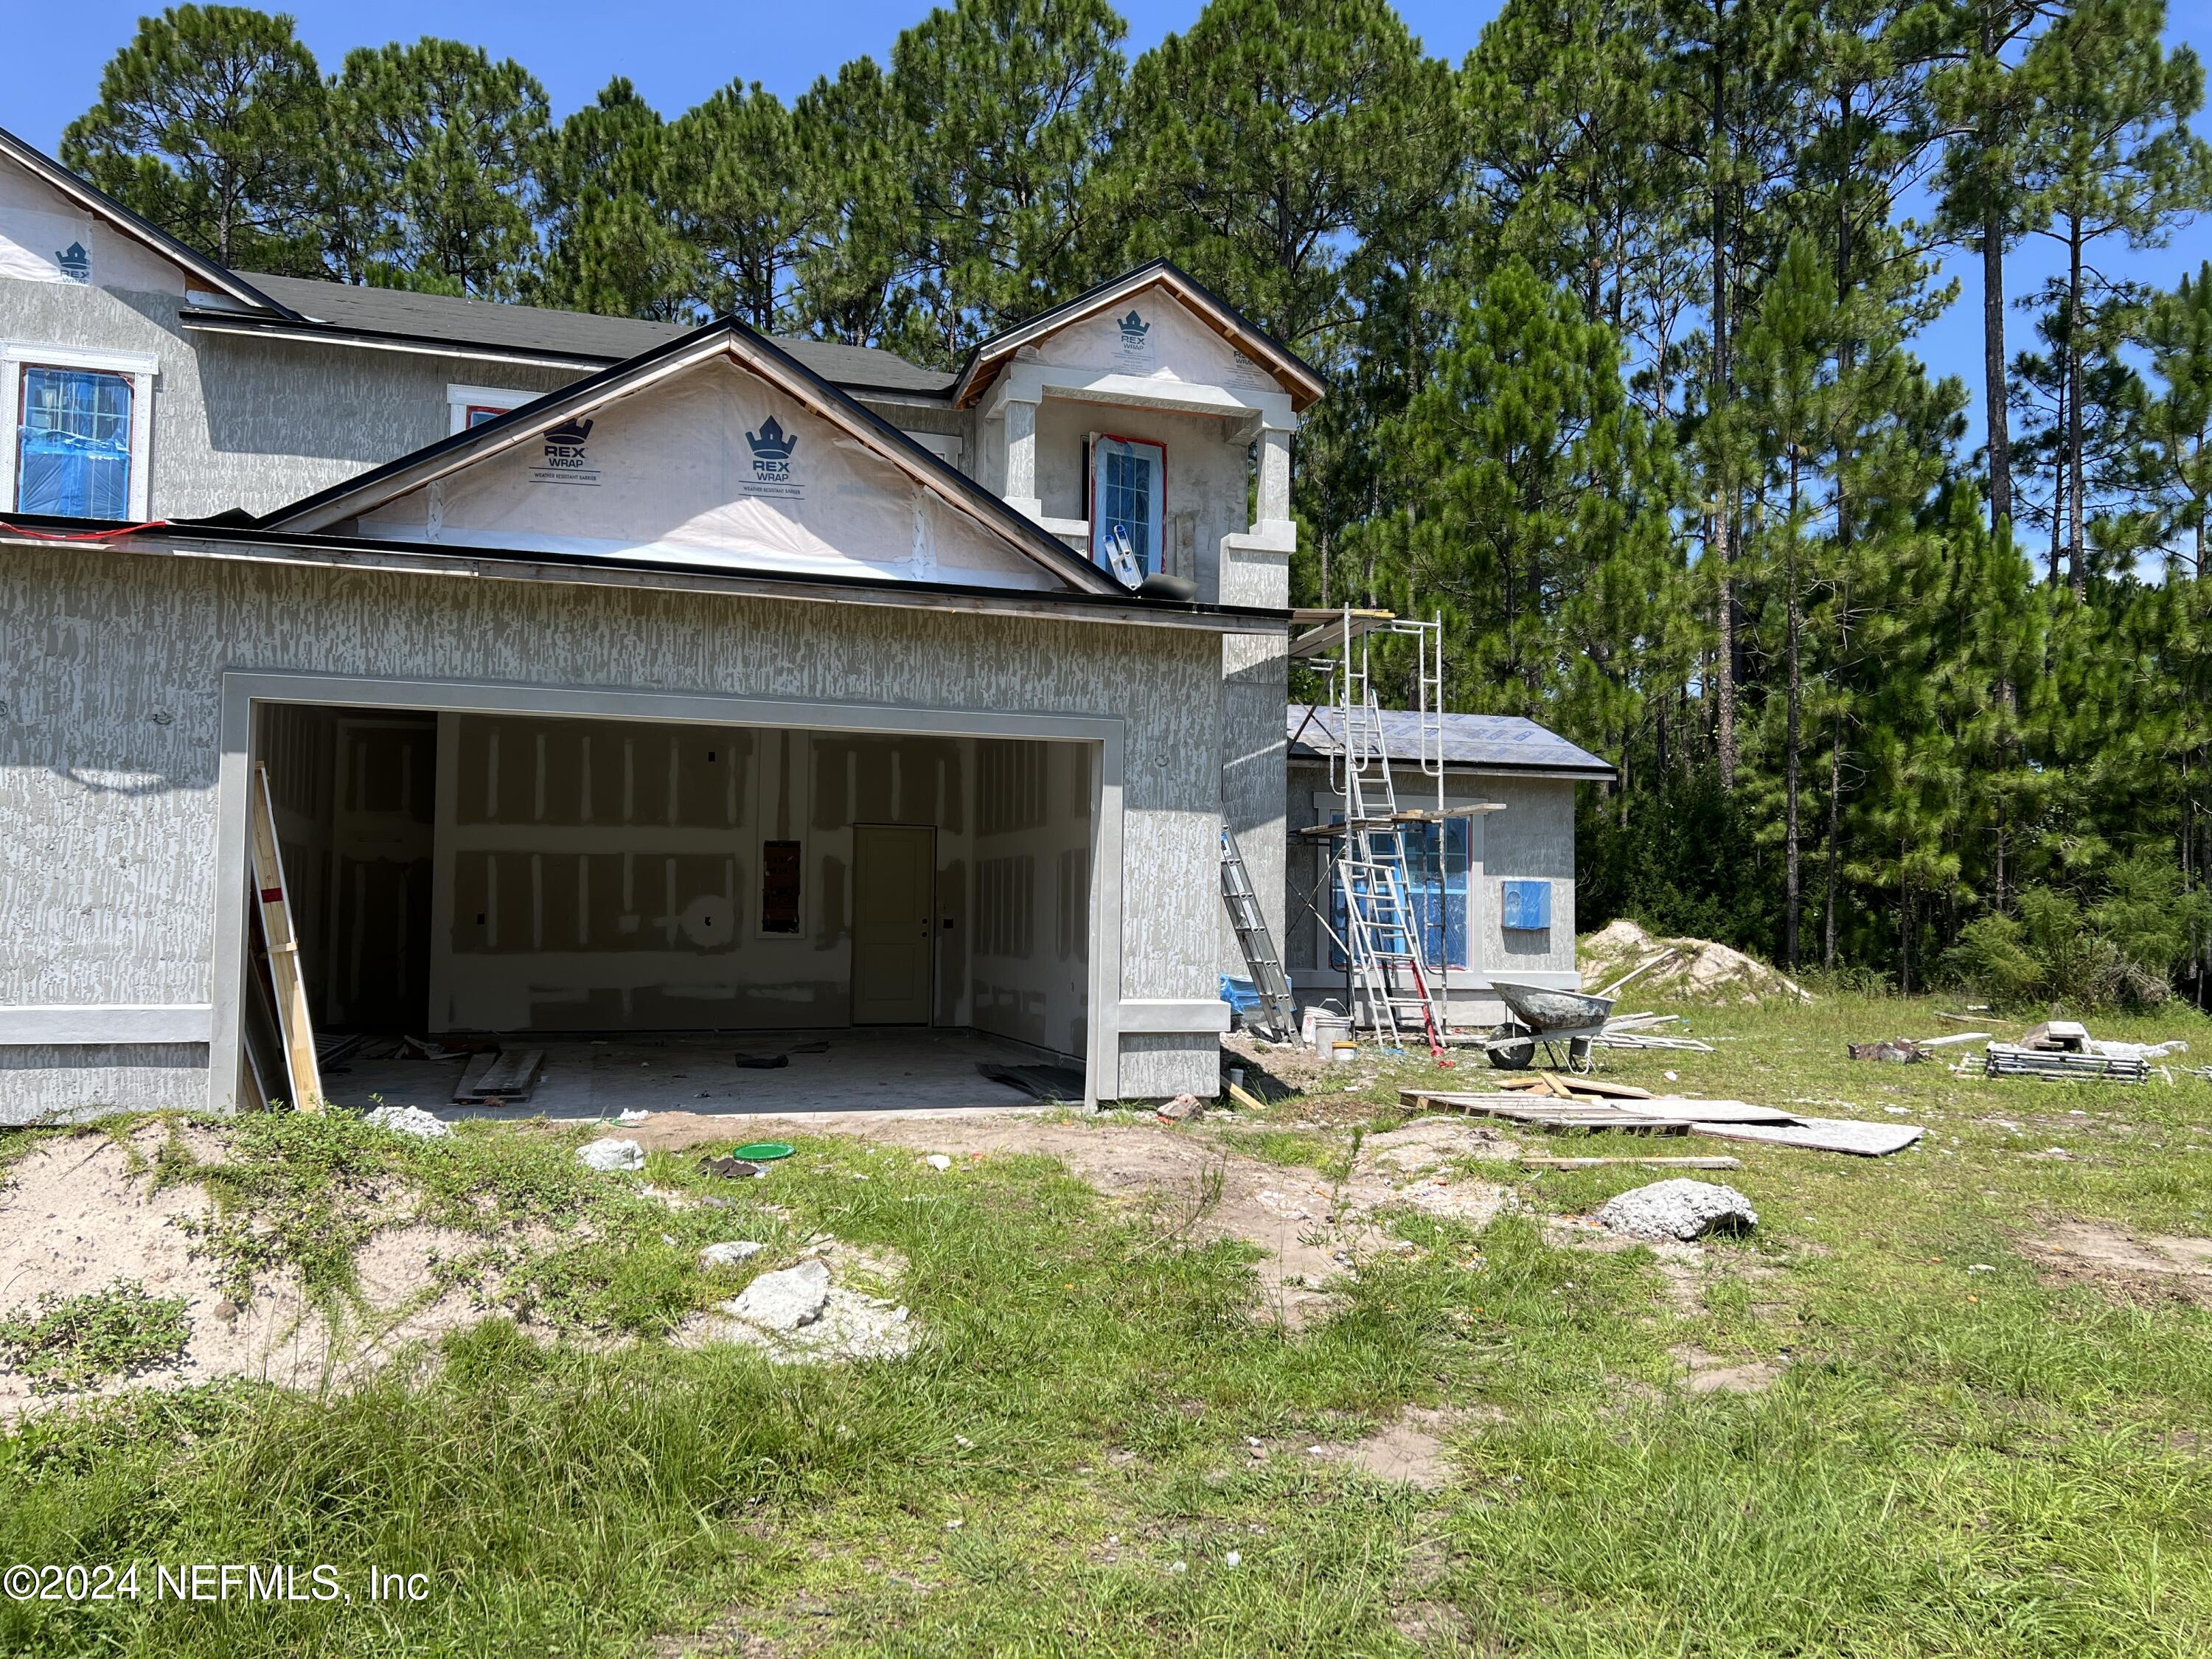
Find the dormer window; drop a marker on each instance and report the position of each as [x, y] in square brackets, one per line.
[1129, 490]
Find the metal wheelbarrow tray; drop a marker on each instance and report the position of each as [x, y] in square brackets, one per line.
[1561, 1021]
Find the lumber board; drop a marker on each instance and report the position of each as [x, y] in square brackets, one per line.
[1533, 1161]
[290, 985]
[1712, 1111]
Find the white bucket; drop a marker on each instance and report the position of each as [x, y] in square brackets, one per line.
[1324, 1029]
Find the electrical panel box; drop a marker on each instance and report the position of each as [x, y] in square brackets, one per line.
[1525, 906]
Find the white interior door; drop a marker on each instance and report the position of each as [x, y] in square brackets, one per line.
[894, 881]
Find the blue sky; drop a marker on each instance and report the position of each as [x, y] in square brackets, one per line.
[678, 53]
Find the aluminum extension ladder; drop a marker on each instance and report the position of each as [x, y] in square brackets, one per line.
[1276, 1003]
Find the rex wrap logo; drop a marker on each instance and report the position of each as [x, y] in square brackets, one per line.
[73, 262]
[773, 471]
[1136, 344]
[567, 456]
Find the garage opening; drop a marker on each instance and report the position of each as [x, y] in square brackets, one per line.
[583, 916]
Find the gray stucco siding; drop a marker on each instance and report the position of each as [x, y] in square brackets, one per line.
[110, 732]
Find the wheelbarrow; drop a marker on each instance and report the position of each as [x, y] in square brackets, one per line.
[1561, 1023]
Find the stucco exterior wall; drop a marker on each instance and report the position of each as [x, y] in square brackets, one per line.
[1206, 495]
[1532, 838]
[254, 423]
[110, 733]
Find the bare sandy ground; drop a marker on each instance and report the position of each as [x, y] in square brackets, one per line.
[1311, 1229]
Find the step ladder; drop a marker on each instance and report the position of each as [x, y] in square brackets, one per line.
[1395, 989]
[1277, 1008]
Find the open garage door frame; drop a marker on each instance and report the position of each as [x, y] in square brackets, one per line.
[243, 689]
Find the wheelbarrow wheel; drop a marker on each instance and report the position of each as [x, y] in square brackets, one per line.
[1513, 1052]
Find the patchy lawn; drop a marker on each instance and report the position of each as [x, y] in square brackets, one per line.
[1947, 1402]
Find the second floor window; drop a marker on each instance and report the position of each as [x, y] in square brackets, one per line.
[1128, 485]
[73, 443]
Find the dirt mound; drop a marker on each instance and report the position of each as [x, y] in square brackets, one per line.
[76, 1217]
[1695, 969]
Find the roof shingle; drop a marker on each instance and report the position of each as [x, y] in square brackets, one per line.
[1501, 743]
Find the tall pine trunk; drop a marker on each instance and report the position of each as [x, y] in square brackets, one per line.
[2076, 566]
[1835, 816]
[1791, 737]
[1996, 412]
[1723, 541]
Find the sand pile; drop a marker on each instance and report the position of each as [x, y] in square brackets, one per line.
[1696, 970]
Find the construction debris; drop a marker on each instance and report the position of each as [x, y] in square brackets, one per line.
[1823, 1134]
[610, 1155]
[1182, 1107]
[500, 1078]
[409, 1121]
[1692, 970]
[1681, 1209]
[1533, 1161]
[1910, 1050]
[1545, 1100]
[1641, 1032]
[2059, 1065]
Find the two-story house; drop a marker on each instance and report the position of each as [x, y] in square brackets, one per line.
[611, 676]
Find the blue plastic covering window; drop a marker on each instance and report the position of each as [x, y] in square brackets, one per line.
[1126, 485]
[1435, 871]
[73, 444]
[1524, 906]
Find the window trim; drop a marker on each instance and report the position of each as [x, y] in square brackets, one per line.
[1093, 473]
[460, 400]
[139, 368]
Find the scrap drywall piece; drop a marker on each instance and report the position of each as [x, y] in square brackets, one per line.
[1822, 1134]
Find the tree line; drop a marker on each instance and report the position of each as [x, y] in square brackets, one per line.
[1620, 315]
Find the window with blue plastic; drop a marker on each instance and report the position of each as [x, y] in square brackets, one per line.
[1436, 856]
[1525, 906]
[1127, 483]
[73, 443]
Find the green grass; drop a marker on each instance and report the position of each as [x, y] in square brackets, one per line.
[1952, 1462]
[76, 1342]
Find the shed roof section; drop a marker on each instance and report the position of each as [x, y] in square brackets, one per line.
[390, 313]
[1254, 352]
[717, 449]
[1479, 743]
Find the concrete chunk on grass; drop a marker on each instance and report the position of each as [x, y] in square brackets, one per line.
[611, 1155]
[1678, 1209]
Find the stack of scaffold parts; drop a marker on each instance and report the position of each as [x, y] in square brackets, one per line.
[2062, 1050]
[1568, 1104]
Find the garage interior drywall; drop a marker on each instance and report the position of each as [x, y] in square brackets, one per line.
[515, 874]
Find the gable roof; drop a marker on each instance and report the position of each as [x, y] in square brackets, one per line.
[1296, 376]
[752, 352]
[1481, 743]
[582, 339]
[101, 205]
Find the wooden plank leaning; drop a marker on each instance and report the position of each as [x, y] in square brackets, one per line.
[283, 941]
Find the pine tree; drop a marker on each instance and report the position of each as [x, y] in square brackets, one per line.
[2109, 155]
[1533, 502]
[207, 124]
[1012, 104]
[855, 265]
[2172, 435]
[1279, 148]
[734, 180]
[431, 177]
[1986, 104]
[609, 245]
